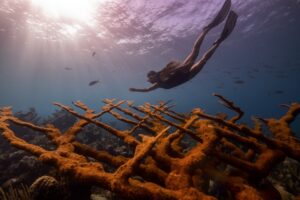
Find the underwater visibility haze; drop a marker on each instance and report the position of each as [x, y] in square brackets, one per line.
[88, 50]
[51, 51]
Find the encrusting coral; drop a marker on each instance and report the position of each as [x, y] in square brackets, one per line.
[227, 156]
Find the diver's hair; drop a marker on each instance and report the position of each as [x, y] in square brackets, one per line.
[152, 73]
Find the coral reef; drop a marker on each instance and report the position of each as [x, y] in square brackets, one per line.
[18, 166]
[287, 174]
[227, 160]
[47, 188]
[21, 193]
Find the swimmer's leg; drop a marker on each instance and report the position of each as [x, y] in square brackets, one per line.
[190, 60]
[229, 26]
[197, 67]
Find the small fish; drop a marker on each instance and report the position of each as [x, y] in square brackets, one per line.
[94, 53]
[251, 76]
[275, 92]
[278, 92]
[239, 82]
[280, 76]
[68, 68]
[267, 66]
[93, 82]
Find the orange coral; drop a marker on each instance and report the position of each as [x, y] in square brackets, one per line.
[230, 155]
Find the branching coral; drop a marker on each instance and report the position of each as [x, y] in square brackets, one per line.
[230, 155]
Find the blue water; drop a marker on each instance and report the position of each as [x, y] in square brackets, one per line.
[45, 59]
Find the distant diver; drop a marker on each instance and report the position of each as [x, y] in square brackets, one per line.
[93, 82]
[176, 73]
[94, 53]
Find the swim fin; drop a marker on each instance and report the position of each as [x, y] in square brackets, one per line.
[220, 16]
[229, 26]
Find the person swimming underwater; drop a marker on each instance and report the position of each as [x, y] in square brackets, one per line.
[176, 73]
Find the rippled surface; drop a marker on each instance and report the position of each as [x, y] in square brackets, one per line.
[132, 22]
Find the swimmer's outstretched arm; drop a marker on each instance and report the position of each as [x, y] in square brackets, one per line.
[153, 87]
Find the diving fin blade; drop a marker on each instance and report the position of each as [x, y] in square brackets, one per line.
[220, 16]
[229, 26]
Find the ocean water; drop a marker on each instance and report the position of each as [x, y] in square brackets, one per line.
[50, 52]
[68, 50]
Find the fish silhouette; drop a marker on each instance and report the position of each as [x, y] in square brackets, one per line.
[93, 82]
[239, 82]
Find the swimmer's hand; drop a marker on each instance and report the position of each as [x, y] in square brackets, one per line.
[133, 89]
[153, 87]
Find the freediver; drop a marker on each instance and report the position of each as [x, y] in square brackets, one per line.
[176, 73]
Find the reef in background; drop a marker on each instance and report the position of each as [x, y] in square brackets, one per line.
[170, 155]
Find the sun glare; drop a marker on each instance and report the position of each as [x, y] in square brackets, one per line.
[80, 10]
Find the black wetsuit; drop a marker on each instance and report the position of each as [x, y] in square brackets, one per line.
[177, 78]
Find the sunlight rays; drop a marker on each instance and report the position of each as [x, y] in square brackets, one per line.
[81, 10]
